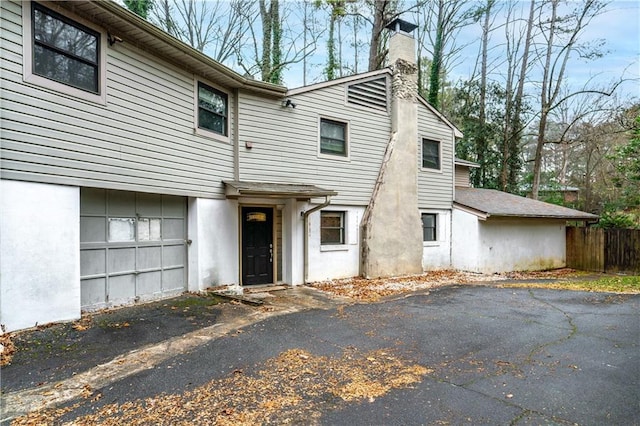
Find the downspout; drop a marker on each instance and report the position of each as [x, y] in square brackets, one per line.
[305, 215]
[453, 159]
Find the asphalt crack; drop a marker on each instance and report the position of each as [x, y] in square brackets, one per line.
[573, 329]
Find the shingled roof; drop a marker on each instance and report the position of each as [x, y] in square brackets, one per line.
[487, 203]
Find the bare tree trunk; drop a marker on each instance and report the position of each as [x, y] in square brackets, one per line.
[481, 141]
[514, 126]
[276, 47]
[436, 62]
[265, 65]
[381, 14]
[556, 58]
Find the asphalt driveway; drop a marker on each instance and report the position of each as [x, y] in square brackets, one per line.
[483, 355]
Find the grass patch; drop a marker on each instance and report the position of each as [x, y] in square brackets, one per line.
[605, 284]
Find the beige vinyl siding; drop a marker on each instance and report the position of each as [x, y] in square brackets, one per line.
[462, 176]
[285, 143]
[435, 187]
[142, 140]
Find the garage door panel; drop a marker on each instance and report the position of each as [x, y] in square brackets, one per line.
[122, 229]
[173, 206]
[93, 292]
[150, 283]
[133, 246]
[173, 279]
[122, 288]
[93, 262]
[121, 203]
[173, 229]
[173, 256]
[149, 257]
[94, 201]
[93, 229]
[122, 260]
[149, 205]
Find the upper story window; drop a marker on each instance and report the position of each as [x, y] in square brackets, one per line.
[212, 109]
[332, 227]
[64, 50]
[430, 154]
[333, 137]
[429, 230]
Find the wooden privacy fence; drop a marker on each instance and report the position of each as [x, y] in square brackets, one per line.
[603, 250]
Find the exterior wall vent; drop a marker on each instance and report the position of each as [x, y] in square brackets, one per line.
[369, 94]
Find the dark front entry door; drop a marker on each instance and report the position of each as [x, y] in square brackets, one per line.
[257, 245]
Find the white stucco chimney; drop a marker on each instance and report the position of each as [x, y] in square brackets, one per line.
[391, 226]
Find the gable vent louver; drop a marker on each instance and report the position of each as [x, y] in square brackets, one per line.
[369, 94]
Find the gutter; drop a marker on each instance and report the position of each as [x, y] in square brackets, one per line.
[305, 215]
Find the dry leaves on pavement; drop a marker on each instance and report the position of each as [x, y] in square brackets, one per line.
[294, 387]
[371, 290]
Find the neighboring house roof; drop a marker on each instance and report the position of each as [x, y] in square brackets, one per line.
[235, 189]
[460, 162]
[486, 203]
[559, 188]
[132, 29]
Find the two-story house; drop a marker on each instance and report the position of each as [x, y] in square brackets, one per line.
[135, 167]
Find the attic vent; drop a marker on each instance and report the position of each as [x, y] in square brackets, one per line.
[370, 94]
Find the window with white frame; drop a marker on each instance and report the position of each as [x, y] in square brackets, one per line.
[430, 154]
[332, 227]
[429, 227]
[213, 107]
[64, 50]
[333, 137]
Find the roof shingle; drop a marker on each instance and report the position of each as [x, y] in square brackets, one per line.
[490, 202]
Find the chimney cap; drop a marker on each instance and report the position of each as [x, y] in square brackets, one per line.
[401, 25]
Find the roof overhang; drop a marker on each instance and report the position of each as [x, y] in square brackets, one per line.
[482, 215]
[237, 189]
[466, 163]
[145, 36]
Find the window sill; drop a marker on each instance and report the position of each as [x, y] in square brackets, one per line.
[427, 169]
[211, 135]
[333, 157]
[431, 243]
[334, 247]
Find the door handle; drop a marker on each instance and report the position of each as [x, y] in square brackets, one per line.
[270, 253]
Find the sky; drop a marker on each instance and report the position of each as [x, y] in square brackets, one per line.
[618, 26]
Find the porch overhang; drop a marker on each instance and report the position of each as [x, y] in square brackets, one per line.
[236, 189]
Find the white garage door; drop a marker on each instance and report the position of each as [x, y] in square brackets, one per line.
[132, 247]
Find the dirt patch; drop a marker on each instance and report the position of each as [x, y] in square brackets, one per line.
[294, 387]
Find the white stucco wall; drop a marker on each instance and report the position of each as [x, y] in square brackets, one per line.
[335, 261]
[465, 241]
[39, 254]
[437, 254]
[504, 245]
[214, 250]
[522, 245]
